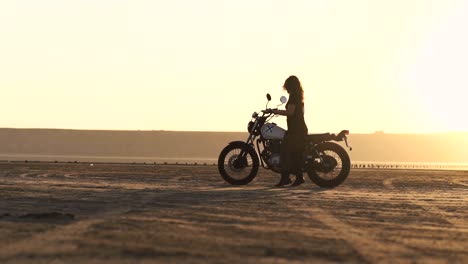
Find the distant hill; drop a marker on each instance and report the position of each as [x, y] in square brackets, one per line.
[379, 147]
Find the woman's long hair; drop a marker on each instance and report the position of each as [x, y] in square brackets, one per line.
[293, 86]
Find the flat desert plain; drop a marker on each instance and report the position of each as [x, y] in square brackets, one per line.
[115, 213]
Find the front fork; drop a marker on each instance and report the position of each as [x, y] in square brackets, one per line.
[249, 142]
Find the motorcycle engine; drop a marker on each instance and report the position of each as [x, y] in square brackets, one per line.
[271, 155]
[274, 162]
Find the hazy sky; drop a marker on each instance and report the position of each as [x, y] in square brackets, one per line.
[398, 66]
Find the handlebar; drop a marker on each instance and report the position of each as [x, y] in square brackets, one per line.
[267, 111]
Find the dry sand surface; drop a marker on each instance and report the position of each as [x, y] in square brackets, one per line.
[77, 213]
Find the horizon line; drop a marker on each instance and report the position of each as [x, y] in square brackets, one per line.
[379, 132]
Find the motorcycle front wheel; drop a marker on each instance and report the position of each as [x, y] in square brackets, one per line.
[333, 169]
[238, 163]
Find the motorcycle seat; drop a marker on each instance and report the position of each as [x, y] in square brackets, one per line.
[319, 137]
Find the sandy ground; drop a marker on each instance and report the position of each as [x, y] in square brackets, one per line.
[77, 213]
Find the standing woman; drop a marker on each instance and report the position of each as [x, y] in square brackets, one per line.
[292, 147]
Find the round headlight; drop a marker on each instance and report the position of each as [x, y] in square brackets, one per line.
[250, 126]
[254, 115]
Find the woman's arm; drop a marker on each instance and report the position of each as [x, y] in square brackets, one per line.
[288, 112]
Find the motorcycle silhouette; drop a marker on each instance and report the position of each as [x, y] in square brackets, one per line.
[326, 163]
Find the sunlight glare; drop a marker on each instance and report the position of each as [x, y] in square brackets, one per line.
[438, 76]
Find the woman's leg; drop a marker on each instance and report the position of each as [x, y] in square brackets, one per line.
[285, 156]
[297, 169]
[298, 160]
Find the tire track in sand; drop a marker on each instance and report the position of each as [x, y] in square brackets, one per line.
[364, 242]
[429, 207]
[460, 182]
[52, 241]
[60, 239]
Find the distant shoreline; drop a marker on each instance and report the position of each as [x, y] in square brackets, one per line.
[27, 158]
[110, 159]
[204, 147]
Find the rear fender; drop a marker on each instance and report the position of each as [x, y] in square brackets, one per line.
[321, 138]
[342, 135]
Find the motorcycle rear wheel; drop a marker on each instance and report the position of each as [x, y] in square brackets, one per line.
[335, 168]
[238, 170]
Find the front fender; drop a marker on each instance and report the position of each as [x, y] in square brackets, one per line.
[244, 146]
[241, 144]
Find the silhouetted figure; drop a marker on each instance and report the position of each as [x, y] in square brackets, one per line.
[292, 147]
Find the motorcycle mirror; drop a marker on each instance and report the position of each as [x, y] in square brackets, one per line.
[283, 99]
[268, 97]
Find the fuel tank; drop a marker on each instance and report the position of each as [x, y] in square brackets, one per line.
[272, 131]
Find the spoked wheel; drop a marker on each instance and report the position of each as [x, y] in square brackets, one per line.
[332, 169]
[238, 163]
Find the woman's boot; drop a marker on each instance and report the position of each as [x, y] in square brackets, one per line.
[285, 180]
[299, 180]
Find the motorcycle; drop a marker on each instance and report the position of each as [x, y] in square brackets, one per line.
[326, 163]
